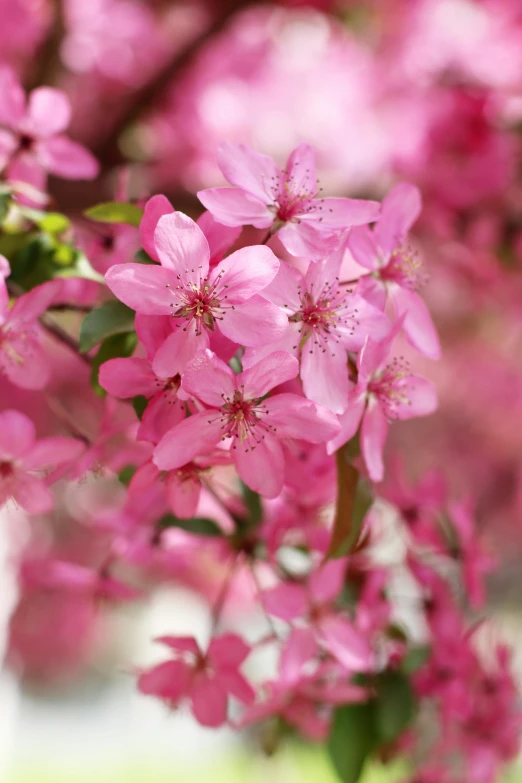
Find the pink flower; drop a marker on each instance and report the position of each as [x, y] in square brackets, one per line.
[24, 461]
[126, 378]
[265, 197]
[394, 266]
[22, 358]
[33, 141]
[315, 602]
[237, 411]
[383, 392]
[325, 320]
[76, 579]
[225, 300]
[476, 563]
[303, 688]
[220, 238]
[182, 487]
[206, 680]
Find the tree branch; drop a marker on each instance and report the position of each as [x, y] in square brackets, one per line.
[150, 94]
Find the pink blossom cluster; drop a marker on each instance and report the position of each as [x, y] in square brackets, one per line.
[208, 402]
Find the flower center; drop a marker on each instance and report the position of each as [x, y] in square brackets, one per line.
[202, 302]
[404, 268]
[241, 419]
[6, 470]
[390, 387]
[324, 313]
[25, 142]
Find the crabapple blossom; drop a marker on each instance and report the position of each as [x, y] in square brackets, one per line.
[315, 601]
[25, 461]
[268, 197]
[384, 392]
[32, 141]
[226, 300]
[325, 320]
[219, 237]
[299, 693]
[395, 267]
[206, 679]
[22, 356]
[237, 410]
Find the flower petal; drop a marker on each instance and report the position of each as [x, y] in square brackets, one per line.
[48, 452]
[12, 99]
[181, 247]
[179, 348]
[249, 170]
[346, 643]
[48, 113]
[418, 398]
[417, 324]
[32, 495]
[68, 159]
[245, 273]
[209, 702]
[269, 372]
[17, 434]
[306, 240]
[286, 601]
[154, 209]
[400, 210]
[235, 207]
[260, 464]
[324, 371]
[364, 248]
[162, 413]
[296, 417]
[373, 437]
[256, 322]
[219, 237]
[150, 290]
[209, 379]
[126, 378]
[340, 213]
[193, 436]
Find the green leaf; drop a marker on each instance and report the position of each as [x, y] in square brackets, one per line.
[139, 403]
[111, 318]
[415, 658]
[54, 223]
[143, 258]
[115, 212]
[125, 475]
[352, 739]
[253, 503]
[395, 705]
[115, 346]
[200, 526]
[5, 203]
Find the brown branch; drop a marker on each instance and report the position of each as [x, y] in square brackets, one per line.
[48, 62]
[150, 94]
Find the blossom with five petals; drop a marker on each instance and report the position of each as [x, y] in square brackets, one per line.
[25, 461]
[226, 299]
[207, 680]
[32, 141]
[237, 410]
[395, 267]
[267, 197]
[384, 391]
[326, 319]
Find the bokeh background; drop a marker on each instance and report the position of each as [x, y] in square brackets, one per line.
[428, 91]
